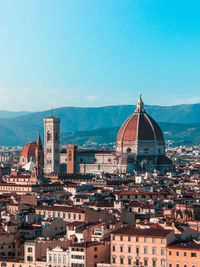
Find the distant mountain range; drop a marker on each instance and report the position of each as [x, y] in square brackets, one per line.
[180, 122]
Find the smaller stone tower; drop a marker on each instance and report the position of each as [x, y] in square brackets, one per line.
[71, 158]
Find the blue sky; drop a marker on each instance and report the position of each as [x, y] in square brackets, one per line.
[98, 52]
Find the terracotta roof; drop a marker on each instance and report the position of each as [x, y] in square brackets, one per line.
[140, 126]
[61, 208]
[185, 245]
[142, 232]
[29, 150]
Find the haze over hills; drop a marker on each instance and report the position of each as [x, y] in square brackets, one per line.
[12, 114]
[22, 129]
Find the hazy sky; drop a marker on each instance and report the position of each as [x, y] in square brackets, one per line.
[98, 52]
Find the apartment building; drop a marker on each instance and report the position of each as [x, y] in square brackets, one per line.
[131, 246]
[183, 254]
[88, 254]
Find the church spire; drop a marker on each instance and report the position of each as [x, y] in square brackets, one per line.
[140, 105]
[39, 142]
[39, 157]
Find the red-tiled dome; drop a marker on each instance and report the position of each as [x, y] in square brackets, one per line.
[29, 150]
[140, 126]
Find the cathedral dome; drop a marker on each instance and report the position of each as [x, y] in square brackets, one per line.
[29, 150]
[139, 128]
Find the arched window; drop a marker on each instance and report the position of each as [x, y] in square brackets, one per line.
[162, 263]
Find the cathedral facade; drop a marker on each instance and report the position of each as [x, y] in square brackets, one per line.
[140, 146]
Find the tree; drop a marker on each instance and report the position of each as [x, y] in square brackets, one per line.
[19, 239]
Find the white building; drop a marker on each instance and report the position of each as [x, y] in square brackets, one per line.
[57, 257]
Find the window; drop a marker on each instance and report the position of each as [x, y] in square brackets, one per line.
[129, 249]
[30, 249]
[185, 254]
[59, 258]
[162, 251]
[48, 136]
[193, 265]
[170, 253]
[95, 256]
[113, 248]
[137, 250]
[185, 265]
[177, 265]
[70, 155]
[162, 263]
[129, 238]
[154, 251]
[137, 239]
[162, 240]
[29, 258]
[145, 250]
[137, 262]
[129, 261]
[113, 260]
[154, 263]
[121, 249]
[113, 238]
[145, 262]
[177, 253]
[145, 239]
[121, 238]
[121, 261]
[170, 264]
[193, 254]
[153, 240]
